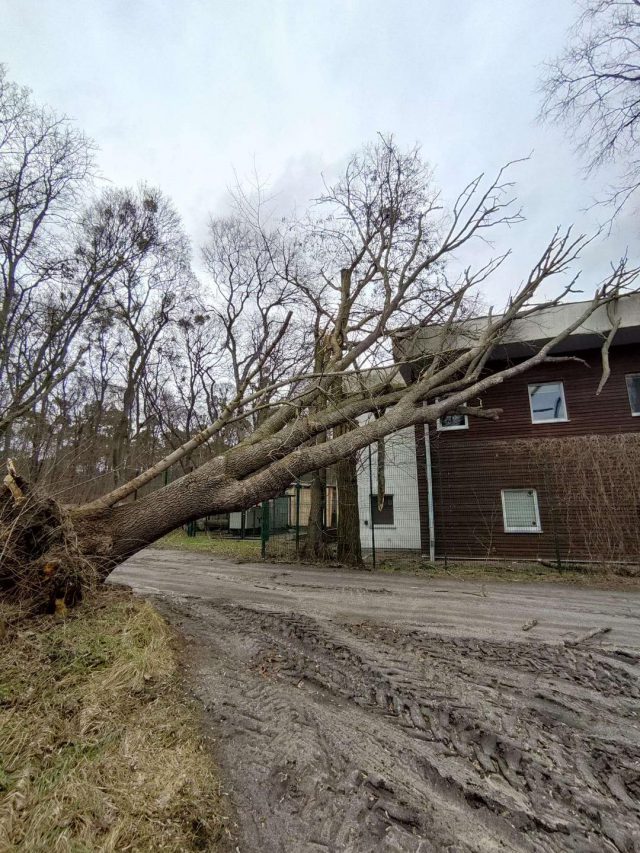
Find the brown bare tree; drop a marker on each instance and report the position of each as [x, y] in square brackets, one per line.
[60, 261]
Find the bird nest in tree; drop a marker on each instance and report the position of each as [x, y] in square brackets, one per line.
[41, 564]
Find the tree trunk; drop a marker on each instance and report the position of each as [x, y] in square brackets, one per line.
[6, 439]
[51, 551]
[120, 450]
[315, 546]
[349, 548]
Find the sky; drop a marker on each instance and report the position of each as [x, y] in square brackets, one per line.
[183, 94]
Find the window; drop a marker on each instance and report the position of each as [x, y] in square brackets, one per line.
[453, 422]
[633, 389]
[384, 515]
[520, 511]
[547, 403]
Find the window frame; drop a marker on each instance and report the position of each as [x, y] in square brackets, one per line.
[559, 382]
[537, 529]
[374, 497]
[441, 428]
[627, 377]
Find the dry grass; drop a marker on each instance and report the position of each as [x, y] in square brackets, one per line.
[99, 749]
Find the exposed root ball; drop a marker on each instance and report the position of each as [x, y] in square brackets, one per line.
[41, 565]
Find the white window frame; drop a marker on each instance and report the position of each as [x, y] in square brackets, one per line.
[627, 378]
[507, 529]
[442, 428]
[564, 402]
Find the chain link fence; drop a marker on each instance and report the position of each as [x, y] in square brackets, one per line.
[558, 502]
[427, 495]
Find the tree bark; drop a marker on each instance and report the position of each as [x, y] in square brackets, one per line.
[349, 548]
[119, 451]
[315, 546]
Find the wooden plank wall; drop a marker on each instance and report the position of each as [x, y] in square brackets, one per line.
[471, 467]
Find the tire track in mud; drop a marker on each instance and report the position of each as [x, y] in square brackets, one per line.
[365, 737]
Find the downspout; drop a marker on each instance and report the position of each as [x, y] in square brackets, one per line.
[373, 524]
[430, 514]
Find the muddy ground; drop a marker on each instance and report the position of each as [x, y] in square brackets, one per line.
[358, 712]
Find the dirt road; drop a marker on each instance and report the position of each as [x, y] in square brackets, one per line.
[357, 712]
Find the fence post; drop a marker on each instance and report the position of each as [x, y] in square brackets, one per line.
[298, 518]
[373, 525]
[243, 524]
[264, 528]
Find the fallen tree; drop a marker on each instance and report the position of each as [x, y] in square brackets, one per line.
[378, 273]
[51, 550]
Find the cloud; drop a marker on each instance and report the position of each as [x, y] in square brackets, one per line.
[180, 94]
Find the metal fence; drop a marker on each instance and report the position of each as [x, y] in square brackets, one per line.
[557, 501]
[286, 531]
[440, 495]
[377, 513]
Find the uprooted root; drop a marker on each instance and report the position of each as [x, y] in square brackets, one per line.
[41, 564]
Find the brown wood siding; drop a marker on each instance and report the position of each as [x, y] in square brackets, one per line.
[471, 467]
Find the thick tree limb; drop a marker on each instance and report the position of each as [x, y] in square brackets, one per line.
[606, 368]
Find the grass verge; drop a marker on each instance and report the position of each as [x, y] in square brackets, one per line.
[248, 550]
[515, 572]
[202, 543]
[99, 749]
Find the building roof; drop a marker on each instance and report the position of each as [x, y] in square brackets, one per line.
[529, 333]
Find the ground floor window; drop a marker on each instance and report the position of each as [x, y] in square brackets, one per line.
[384, 515]
[633, 389]
[520, 511]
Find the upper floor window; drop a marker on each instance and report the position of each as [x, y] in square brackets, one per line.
[547, 402]
[453, 422]
[633, 389]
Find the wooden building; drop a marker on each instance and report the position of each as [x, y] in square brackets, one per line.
[557, 477]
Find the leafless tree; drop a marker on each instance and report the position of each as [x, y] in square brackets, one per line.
[594, 88]
[147, 293]
[251, 272]
[62, 261]
[186, 386]
[371, 273]
[44, 163]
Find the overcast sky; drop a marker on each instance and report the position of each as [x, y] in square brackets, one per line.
[179, 93]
